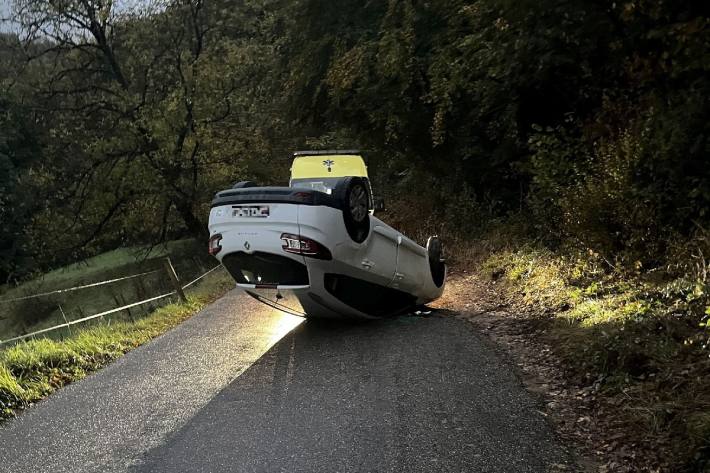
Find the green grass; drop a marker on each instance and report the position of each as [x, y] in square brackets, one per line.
[94, 268]
[16, 318]
[640, 333]
[32, 370]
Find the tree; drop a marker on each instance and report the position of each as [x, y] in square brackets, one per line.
[145, 112]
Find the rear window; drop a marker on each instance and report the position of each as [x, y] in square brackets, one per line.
[327, 166]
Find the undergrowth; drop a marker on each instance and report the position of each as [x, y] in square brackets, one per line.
[634, 328]
[638, 337]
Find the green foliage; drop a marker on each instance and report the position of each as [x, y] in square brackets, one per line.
[581, 126]
[590, 117]
[135, 134]
[19, 152]
[632, 339]
[587, 115]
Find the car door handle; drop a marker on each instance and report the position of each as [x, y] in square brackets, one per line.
[367, 264]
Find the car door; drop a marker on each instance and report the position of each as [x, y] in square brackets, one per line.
[411, 267]
[378, 261]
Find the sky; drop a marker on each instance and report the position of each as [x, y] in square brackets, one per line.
[119, 6]
[5, 10]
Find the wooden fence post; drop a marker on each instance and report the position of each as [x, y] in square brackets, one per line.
[174, 279]
[64, 316]
[123, 302]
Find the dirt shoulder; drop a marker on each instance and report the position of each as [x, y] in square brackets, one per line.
[604, 427]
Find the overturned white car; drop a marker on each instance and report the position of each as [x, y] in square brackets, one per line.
[316, 249]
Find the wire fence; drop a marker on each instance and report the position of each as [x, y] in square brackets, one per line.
[76, 288]
[178, 288]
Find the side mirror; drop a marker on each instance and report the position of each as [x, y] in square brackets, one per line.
[379, 204]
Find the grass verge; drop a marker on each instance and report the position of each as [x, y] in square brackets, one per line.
[96, 267]
[19, 317]
[635, 341]
[632, 341]
[32, 370]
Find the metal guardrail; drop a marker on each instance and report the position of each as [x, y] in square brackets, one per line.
[101, 314]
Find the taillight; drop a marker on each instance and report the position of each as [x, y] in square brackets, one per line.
[300, 245]
[213, 245]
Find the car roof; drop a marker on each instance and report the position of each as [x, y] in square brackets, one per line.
[330, 163]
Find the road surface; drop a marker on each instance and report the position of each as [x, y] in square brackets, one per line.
[241, 387]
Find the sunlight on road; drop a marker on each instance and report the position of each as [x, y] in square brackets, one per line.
[162, 386]
[282, 323]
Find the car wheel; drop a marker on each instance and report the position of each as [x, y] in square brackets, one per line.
[355, 202]
[244, 184]
[437, 264]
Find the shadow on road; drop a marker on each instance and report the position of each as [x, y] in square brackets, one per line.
[405, 394]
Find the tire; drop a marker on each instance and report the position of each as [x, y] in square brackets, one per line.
[354, 197]
[244, 184]
[437, 264]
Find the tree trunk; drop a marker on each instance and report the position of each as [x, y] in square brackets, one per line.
[193, 224]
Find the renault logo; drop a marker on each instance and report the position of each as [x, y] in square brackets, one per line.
[247, 245]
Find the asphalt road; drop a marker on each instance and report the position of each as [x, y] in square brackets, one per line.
[232, 390]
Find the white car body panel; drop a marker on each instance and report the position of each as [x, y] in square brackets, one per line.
[386, 258]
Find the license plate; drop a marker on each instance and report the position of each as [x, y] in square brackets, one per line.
[253, 211]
